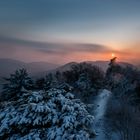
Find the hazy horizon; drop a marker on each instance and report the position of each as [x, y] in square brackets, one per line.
[67, 62]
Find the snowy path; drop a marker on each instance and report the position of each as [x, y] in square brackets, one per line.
[101, 103]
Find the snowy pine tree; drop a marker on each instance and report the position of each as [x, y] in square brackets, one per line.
[51, 115]
[16, 84]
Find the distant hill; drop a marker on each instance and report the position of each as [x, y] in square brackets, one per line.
[8, 66]
[36, 67]
[65, 67]
[39, 69]
[138, 66]
[102, 64]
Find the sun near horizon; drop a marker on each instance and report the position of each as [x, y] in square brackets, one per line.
[113, 55]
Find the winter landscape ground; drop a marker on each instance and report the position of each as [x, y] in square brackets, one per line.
[83, 102]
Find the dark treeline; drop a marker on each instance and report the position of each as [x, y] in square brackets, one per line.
[123, 111]
[83, 78]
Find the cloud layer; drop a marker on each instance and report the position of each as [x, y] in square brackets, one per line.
[59, 53]
[42, 51]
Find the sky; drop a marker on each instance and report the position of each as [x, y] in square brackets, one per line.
[60, 31]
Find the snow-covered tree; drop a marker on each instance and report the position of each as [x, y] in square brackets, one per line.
[16, 84]
[85, 79]
[113, 69]
[49, 81]
[39, 84]
[123, 107]
[93, 73]
[45, 83]
[51, 115]
[83, 82]
[84, 85]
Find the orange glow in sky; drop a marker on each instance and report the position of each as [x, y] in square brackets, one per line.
[113, 55]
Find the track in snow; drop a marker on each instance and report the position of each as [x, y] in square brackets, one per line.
[101, 103]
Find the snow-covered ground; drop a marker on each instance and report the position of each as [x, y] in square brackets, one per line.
[101, 104]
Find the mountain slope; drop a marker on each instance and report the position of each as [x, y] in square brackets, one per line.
[36, 67]
[8, 66]
[102, 64]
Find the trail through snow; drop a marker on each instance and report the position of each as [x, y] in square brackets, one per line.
[101, 104]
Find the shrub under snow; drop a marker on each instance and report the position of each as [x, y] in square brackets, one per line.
[51, 115]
